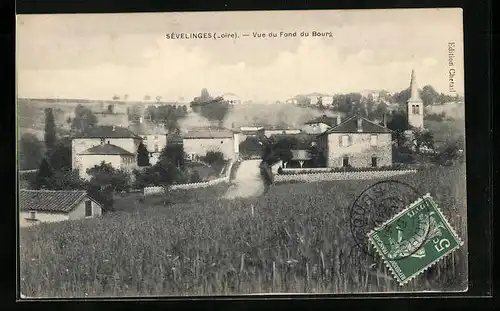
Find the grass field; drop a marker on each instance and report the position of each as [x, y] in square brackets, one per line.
[298, 240]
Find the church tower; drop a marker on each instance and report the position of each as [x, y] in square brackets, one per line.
[415, 105]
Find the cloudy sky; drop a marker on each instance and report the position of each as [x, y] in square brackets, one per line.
[96, 56]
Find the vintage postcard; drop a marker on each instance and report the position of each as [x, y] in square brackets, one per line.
[241, 153]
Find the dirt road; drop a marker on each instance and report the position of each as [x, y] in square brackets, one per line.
[247, 182]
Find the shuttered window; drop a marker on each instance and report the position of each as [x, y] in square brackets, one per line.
[88, 208]
[345, 140]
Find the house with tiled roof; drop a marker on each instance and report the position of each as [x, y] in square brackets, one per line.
[112, 144]
[198, 141]
[36, 206]
[356, 142]
[321, 124]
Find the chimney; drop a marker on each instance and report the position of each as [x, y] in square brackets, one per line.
[114, 128]
[360, 124]
[141, 119]
[384, 120]
[338, 119]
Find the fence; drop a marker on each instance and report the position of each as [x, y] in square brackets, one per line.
[225, 178]
[326, 176]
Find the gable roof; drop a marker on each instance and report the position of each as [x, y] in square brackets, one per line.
[108, 131]
[208, 133]
[351, 126]
[106, 149]
[62, 201]
[330, 121]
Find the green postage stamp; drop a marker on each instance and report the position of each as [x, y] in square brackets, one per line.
[414, 239]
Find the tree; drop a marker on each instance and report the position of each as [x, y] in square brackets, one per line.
[167, 172]
[381, 110]
[44, 175]
[215, 111]
[30, 152]
[429, 95]
[422, 138]
[173, 153]
[116, 97]
[317, 157]
[106, 175]
[50, 129]
[398, 123]
[83, 120]
[250, 147]
[66, 180]
[320, 103]
[59, 157]
[142, 156]
[214, 159]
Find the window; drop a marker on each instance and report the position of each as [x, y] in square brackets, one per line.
[88, 208]
[103, 140]
[156, 137]
[345, 140]
[32, 215]
[417, 109]
[156, 148]
[374, 161]
[373, 140]
[345, 161]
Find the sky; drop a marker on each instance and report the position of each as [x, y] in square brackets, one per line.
[97, 56]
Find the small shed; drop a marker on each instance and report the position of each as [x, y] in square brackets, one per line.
[37, 206]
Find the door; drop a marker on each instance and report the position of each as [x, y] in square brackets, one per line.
[374, 161]
[345, 162]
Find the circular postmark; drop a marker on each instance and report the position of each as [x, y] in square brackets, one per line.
[375, 206]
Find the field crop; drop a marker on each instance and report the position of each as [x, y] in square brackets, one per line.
[297, 239]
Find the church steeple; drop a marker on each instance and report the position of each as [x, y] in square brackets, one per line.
[414, 96]
[415, 104]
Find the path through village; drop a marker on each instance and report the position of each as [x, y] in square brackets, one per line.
[247, 182]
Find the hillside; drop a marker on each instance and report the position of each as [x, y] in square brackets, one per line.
[298, 240]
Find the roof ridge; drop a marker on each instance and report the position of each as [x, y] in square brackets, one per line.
[385, 127]
[348, 119]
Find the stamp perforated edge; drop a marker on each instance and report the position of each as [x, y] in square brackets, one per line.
[449, 227]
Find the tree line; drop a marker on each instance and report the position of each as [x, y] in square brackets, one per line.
[356, 103]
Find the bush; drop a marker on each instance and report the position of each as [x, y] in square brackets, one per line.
[214, 159]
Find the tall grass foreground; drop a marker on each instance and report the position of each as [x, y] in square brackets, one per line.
[296, 239]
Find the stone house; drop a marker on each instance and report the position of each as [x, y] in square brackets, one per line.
[111, 144]
[356, 142]
[197, 142]
[36, 206]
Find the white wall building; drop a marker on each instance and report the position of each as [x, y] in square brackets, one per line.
[111, 144]
[36, 206]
